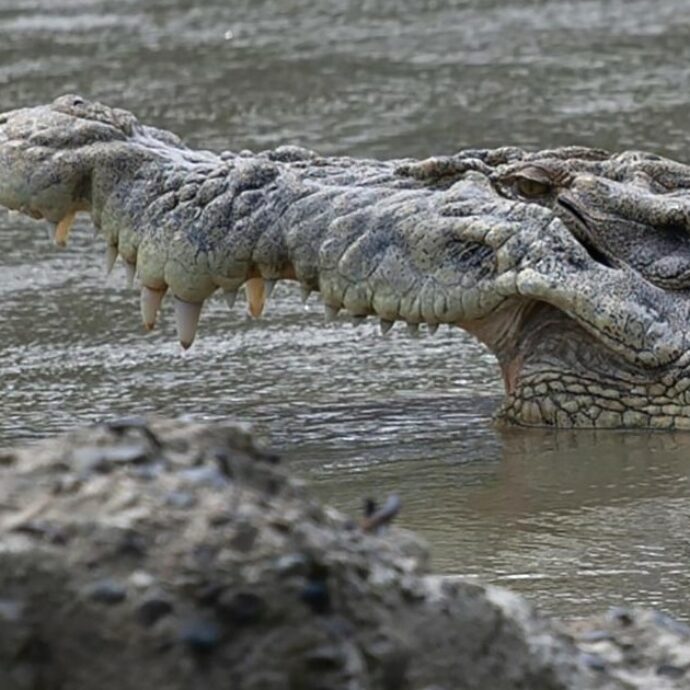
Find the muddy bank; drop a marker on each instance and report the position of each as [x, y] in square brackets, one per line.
[176, 555]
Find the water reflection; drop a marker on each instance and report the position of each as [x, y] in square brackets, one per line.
[576, 520]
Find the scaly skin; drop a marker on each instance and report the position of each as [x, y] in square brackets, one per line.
[571, 265]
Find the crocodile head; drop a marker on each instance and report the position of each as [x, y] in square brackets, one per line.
[571, 265]
[611, 349]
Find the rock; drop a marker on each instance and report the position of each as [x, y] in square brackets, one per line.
[218, 570]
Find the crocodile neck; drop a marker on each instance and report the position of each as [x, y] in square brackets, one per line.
[560, 375]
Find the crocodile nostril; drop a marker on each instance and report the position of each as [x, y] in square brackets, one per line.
[572, 209]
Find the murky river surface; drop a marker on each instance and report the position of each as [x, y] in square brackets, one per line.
[577, 521]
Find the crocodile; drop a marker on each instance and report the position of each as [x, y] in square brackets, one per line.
[571, 265]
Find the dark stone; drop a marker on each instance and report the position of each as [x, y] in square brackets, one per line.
[242, 608]
[622, 615]
[106, 591]
[220, 519]
[44, 530]
[324, 659]
[209, 594]
[132, 544]
[200, 636]
[316, 596]
[594, 662]
[152, 609]
[120, 426]
[7, 458]
[670, 671]
[223, 462]
[244, 538]
[126, 423]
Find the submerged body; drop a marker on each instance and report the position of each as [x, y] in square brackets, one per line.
[571, 265]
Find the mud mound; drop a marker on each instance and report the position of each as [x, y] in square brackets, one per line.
[173, 555]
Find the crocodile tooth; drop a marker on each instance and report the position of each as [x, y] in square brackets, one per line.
[269, 286]
[433, 327]
[358, 320]
[150, 304]
[187, 318]
[413, 329]
[386, 326]
[330, 313]
[230, 297]
[306, 291]
[110, 258]
[62, 229]
[131, 272]
[256, 296]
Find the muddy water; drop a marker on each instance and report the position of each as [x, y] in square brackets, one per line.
[577, 521]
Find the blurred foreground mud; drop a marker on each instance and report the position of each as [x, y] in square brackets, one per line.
[177, 555]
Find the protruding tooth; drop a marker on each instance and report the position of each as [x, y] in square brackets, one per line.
[62, 229]
[256, 296]
[306, 291]
[131, 272]
[187, 318]
[433, 327]
[110, 258]
[358, 320]
[330, 313]
[150, 304]
[269, 285]
[230, 297]
[413, 329]
[386, 326]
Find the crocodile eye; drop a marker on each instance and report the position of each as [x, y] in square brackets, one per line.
[532, 188]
